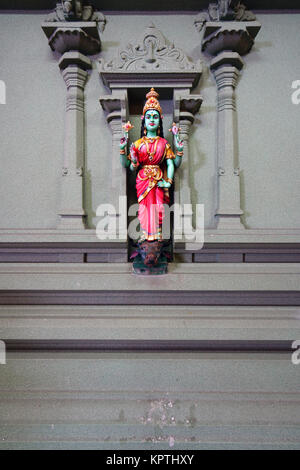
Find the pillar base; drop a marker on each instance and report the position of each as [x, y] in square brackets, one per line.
[229, 222]
[72, 222]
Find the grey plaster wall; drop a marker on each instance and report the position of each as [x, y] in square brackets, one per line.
[243, 403]
[32, 121]
[269, 126]
[31, 135]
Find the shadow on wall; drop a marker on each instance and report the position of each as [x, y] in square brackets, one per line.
[88, 200]
[243, 200]
[254, 56]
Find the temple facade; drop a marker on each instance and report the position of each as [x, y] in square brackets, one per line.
[93, 356]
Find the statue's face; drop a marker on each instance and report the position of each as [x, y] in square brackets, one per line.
[152, 120]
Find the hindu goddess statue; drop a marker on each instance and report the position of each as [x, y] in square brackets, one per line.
[153, 159]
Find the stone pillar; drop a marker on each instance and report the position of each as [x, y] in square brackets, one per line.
[184, 114]
[74, 35]
[224, 42]
[226, 67]
[74, 68]
[116, 109]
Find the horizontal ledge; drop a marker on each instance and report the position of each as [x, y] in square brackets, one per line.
[124, 269]
[93, 247]
[146, 345]
[89, 236]
[167, 297]
[72, 252]
[153, 312]
[117, 282]
[151, 322]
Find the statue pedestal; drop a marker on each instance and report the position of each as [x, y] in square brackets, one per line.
[140, 268]
[151, 258]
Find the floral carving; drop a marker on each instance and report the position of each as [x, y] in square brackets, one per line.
[152, 53]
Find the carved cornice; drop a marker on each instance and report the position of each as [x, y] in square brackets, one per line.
[224, 10]
[188, 108]
[116, 108]
[191, 104]
[74, 28]
[81, 37]
[152, 53]
[229, 36]
[110, 104]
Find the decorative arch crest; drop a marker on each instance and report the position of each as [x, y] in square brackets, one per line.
[153, 52]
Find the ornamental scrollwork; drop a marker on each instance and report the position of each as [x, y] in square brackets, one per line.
[153, 52]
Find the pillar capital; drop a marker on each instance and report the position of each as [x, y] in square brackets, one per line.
[75, 59]
[229, 36]
[227, 59]
[189, 107]
[82, 37]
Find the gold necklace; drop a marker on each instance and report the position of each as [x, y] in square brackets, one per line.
[151, 154]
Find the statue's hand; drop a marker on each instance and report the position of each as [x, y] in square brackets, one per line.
[178, 143]
[123, 142]
[177, 140]
[163, 184]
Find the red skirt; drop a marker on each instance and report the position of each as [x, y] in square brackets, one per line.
[151, 208]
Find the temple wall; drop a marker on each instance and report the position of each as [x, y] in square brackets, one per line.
[32, 121]
[124, 408]
[99, 358]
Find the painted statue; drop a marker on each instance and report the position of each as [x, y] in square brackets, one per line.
[155, 162]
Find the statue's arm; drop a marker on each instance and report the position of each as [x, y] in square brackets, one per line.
[123, 157]
[170, 173]
[170, 169]
[178, 160]
[124, 161]
[179, 150]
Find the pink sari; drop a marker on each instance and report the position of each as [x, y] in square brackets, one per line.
[151, 154]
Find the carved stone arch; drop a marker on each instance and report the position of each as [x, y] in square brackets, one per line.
[150, 61]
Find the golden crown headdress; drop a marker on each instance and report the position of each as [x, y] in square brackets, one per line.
[152, 102]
